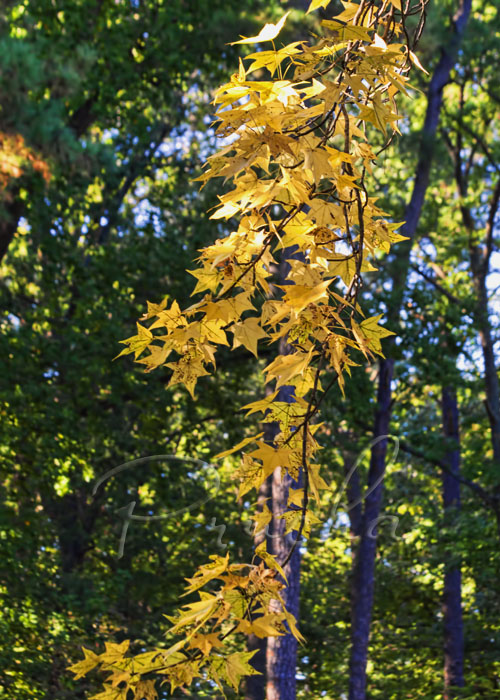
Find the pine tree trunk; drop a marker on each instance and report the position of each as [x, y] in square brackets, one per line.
[276, 658]
[282, 651]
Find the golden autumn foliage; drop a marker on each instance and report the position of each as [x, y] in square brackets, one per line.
[16, 157]
[299, 157]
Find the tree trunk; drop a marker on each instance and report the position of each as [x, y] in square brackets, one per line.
[491, 383]
[277, 681]
[255, 686]
[282, 651]
[364, 564]
[363, 576]
[452, 591]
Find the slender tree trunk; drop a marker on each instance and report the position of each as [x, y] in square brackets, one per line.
[480, 252]
[278, 681]
[363, 576]
[282, 651]
[255, 687]
[281, 661]
[491, 382]
[276, 658]
[452, 591]
[281, 658]
[480, 256]
[364, 564]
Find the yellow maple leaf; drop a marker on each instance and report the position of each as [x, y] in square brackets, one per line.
[349, 32]
[262, 518]
[296, 497]
[197, 612]
[137, 343]
[213, 331]
[374, 333]
[157, 357]
[208, 572]
[239, 446]
[251, 475]
[379, 115]
[87, 664]
[205, 642]
[154, 309]
[145, 690]
[326, 213]
[315, 4]
[248, 333]
[318, 162]
[272, 59]
[261, 405]
[316, 481]
[346, 268]
[293, 518]
[292, 623]
[236, 666]
[267, 33]
[169, 318]
[267, 626]
[207, 279]
[187, 371]
[270, 457]
[269, 559]
[114, 651]
[299, 296]
[285, 367]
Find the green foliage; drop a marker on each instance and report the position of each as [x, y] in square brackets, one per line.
[117, 216]
[118, 223]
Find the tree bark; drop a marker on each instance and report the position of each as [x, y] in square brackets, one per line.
[363, 576]
[255, 686]
[452, 590]
[364, 563]
[480, 270]
[480, 257]
[278, 681]
[282, 651]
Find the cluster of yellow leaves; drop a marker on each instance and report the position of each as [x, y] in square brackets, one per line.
[299, 159]
[241, 604]
[16, 158]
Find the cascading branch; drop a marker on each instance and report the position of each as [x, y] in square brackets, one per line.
[300, 159]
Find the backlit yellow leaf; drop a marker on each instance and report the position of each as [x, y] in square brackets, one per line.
[248, 333]
[87, 664]
[267, 33]
[315, 4]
